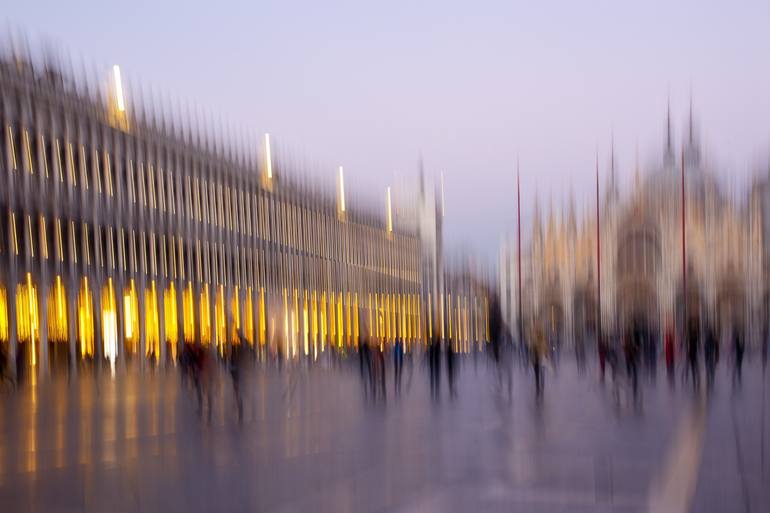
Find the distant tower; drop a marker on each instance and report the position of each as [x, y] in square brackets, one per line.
[692, 147]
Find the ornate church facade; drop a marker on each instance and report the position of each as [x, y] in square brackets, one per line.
[678, 245]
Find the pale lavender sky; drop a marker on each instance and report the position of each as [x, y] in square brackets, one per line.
[469, 85]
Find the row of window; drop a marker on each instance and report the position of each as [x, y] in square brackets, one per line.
[210, 203]
[147, 252]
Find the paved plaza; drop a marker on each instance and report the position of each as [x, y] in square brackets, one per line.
[310, 441]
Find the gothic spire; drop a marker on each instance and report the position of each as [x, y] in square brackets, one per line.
[668, 154]
[690, 127]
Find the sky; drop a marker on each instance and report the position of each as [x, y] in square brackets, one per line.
[469, 88]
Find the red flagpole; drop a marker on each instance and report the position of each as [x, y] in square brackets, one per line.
[518, 243]
[598, 261]
[684, 245]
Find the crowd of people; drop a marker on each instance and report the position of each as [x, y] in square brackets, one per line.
[694, 349]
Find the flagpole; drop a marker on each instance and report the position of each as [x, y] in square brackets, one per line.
[518, 242]
[598, 260]
[684, 246]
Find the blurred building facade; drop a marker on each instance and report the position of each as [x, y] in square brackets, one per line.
[646, 241]
[125, 234]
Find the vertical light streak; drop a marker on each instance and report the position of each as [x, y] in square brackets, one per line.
[342, 191]
[118, 88]
[268, 158]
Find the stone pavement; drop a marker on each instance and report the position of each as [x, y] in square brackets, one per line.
[309, 441]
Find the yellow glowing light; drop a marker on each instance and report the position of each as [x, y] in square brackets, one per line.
[305, 326]
[10, 146]
[118, 88]
[248, 317]
[45, 156]
[348, 320]
[332, 322]
[15, 237]
[170, 320]
[28, 152]
[386, 300]
[340, 321]
[27, 317]
[205, 316]
[152, 322]
[109, 323]
[131, 318]
[57, 312]
[355, 319]
[85, 320]
[286, 322]
[323, 320]
[262, 317]
[296, 309]
[220, 326]
[390, 215]
[377, 331]
[314, 307]
[188, 314]
[58, 161]
[3, 315]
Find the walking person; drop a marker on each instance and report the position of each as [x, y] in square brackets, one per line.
[450, 370]
[433, 356]
[602, 350]
[739, 349]
[234, 366]
[631, 347]
[710, 355]
[668, 348]
[364, 364]
[5, 373]
[497, 335]
[202, 378]
[580, 354]
[538, 348]
[398, 366]
[693, 334]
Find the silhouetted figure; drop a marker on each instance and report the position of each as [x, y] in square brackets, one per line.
[497, 338]
[235, 368]
[203, 377]
[602, 352]
[710, 355]
[537, 352]
[365, 366]
[650, 344]
[5, 367]
[450, 370]
[631, 347]
[669, 350]
[398, 366]
[692, 343]
[739, 348]
[434, 366]
[611, 355]
[580, 354]
[495, 328]
[376, 371]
